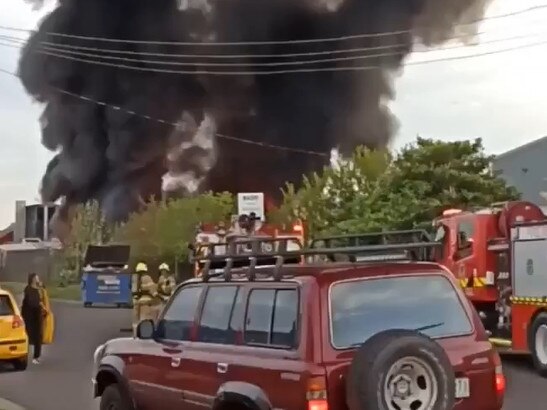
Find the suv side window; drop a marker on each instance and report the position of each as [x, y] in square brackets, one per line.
[178, 321]
[272, 317]
[259, 316]
[285, 318]
[215, 318]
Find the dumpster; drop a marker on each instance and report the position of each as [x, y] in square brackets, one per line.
[106, 279]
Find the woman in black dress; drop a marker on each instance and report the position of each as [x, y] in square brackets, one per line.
[32, 311]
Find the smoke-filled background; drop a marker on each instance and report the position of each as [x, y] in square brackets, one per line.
[105, 152]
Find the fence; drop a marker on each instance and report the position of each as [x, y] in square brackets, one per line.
[17, 261]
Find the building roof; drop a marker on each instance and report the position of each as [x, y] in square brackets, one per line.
[528, 145]
[7, 230]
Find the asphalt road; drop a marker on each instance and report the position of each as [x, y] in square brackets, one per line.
[62, 380]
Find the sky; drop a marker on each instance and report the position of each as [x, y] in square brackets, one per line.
[498, 97]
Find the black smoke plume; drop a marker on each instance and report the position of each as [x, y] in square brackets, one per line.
[104, 152]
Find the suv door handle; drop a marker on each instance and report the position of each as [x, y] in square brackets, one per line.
[175, 362]
[222, 368]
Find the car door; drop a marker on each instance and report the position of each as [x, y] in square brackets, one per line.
[271, 357]
[163, 381]
[205, 364]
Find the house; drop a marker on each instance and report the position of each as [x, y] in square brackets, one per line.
[525, 168]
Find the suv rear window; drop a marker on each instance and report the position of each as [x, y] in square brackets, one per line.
[360, 309]
[6, 309]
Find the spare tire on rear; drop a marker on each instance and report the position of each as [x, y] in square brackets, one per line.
[400, 370]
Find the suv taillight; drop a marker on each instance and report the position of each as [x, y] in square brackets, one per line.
[316, 394]
[499, 378]
[17, 322]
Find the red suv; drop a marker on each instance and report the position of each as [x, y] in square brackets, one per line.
[315, 336]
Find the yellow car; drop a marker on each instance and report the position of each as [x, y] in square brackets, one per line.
[13, 337]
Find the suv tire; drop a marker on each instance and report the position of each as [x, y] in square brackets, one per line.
[114, 399]
[403, 367]
[538, 337]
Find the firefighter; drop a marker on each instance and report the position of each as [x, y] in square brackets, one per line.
[145, 295]
[166, 282]
[140, 270]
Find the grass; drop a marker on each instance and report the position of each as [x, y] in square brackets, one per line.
[69, 292]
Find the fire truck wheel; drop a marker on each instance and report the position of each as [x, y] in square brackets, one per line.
[400, 369]
[538, 343]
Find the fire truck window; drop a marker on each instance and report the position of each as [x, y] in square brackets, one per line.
[440, 235]
[465, 232]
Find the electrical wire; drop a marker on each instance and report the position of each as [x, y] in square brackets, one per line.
[242, 140]
[68, 53]
[284, 71]
[177, 124]
[277, 64]
[277, 42]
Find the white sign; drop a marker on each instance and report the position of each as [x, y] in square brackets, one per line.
[248, 202]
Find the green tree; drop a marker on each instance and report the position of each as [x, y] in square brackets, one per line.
[375, 190]
[332, 196]
[88, 227]
[162, 231]
[457, 174]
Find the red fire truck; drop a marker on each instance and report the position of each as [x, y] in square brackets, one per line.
[499, 254]
[248, 225]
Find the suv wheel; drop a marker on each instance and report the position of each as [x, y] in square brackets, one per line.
[113, 399]
[538, 343]
[400, 369]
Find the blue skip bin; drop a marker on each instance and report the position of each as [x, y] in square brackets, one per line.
[106, 279]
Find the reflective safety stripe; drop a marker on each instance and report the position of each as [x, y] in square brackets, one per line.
[473, 282]
[518, 300]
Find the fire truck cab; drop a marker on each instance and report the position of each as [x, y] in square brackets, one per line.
[499, 255]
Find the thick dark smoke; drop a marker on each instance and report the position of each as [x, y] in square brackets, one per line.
[121, 159]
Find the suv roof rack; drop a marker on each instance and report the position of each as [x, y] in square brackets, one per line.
[259, 255]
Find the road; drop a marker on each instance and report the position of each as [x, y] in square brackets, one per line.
[62, 380]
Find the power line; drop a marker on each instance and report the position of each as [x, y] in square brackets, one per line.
[270, 64]
[208, 56]
[278, 42]
[177, 124]
[284, 71]
[23, 41]
[277, 64]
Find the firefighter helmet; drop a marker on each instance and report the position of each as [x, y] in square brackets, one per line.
[141, 267]
[164, 267]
